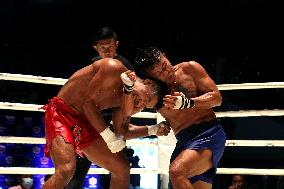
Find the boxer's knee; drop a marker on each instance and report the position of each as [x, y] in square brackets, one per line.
[122, 170]
[65, 172]
[176, 172]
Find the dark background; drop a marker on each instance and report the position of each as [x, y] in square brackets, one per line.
[237, 41]
[243, 37]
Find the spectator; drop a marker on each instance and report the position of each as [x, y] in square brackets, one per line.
[239, 182]
[25, 182]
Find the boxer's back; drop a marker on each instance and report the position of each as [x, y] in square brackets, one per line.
[99, 82]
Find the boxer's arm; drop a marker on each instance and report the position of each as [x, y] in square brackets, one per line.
[92, 112]
[135, 131]
[210, 95]
[95, 117]
[123, 127]
[127, 104]
[178, 100]
[130, 131]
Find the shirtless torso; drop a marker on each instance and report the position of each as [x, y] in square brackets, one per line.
[100, 88]
[87, 80]
[187, 82]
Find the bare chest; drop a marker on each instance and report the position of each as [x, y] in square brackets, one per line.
[185, 84]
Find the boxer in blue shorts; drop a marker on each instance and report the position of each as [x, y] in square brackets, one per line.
[188, 108]
[208, 135]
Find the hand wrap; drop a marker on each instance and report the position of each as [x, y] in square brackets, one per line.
[127, 83]
[114, 143]
[183, 102]
[153, 129]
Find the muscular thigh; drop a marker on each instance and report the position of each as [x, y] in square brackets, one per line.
[99, 153]
[192, 162]
[62, 153]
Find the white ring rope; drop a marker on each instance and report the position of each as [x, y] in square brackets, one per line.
[150, 115]
[250, 113]
[32, 79]
[28, 170]
[267, 85]
[35, 140]
[256, 143]
[244, 171]
[132, 142]
[61, 81]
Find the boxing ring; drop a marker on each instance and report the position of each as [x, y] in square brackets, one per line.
[163, 168]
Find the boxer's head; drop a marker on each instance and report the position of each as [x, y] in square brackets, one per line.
[106, 43]
[152, 63]
[147, 93]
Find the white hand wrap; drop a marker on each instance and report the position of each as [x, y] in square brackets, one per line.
[127, 83]
[114, 143]
[153, 129]
[183, 102]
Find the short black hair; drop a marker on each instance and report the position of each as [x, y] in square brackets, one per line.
[145, 59]
[104, 33]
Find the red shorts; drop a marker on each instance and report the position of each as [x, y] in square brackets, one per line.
[61, 120]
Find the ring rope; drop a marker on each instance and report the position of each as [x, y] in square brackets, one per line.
[61, 81]
[132, 142]
[32, 170]
[151, 115]
[37, 140]
[244, 171]
[251, 113]
[36, 107]
[32, 79]
[266, 85]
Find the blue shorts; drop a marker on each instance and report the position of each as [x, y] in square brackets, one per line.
[206, 135]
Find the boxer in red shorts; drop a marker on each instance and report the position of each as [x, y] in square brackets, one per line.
[74, 122]
[73, 127]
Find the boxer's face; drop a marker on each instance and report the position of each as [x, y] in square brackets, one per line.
[144, 95]
[163, 70]
[106, 48]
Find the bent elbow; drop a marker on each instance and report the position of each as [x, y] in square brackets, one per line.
[219, 100]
